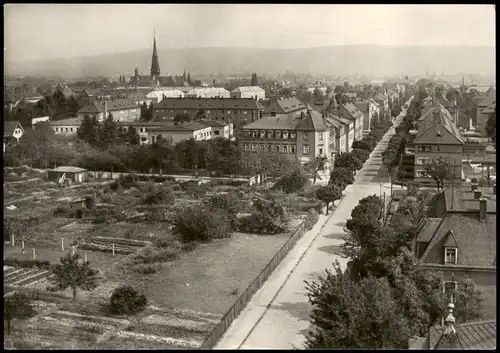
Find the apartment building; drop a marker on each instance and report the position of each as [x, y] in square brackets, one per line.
[238, 111]
[300, 139]
[254, 92]
[458, 237]
[436, 137]
[209, 92]
[67, 127]
[121, 109]
[341, 133]
[350, 112]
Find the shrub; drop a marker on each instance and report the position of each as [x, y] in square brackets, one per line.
[161, 195]
[126, 300]
[195, 223]
[341, 177]
[268, 217]
[100, 219]
[226, 203]
[144, 269]
[361, 154]
[311, 219]
[158, 256]
[292, 182]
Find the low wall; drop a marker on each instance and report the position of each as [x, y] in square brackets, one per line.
[245, 297]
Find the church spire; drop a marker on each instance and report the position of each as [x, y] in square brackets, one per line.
[155, 64]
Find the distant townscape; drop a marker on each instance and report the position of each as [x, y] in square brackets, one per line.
[200, 210]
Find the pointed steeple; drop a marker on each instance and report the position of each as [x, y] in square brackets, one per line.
[155, 63]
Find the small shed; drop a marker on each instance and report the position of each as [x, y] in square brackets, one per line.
[190, 184]
[78, 204]
[74, 174]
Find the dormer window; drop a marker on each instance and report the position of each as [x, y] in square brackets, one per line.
[450, 256]
[285, 134]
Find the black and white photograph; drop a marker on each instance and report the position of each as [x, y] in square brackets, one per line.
[249, 176]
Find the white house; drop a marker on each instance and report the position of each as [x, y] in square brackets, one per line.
[39, 119]
[249, 92]
[208, 92]
[167, 93]
[12, 132]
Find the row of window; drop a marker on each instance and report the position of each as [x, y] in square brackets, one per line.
[280, 148]
[281, 135]
[65, 129]
[207, 111]
[427, 160]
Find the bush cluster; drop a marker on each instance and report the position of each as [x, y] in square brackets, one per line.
[126, 300]
[292, 182]
[267, 217]
[197, 223]
[311, 219]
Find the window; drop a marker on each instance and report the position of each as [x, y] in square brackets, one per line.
[277, 148]
[144, 139]
[229, 112]
[141, 129]
[247, 147]
[423, 161]
[262, 147]
[66, 129]
[216, 133]
[449, 288]
[292, 149]
[285, 135]
[247, 133]
[305, 149]
[438, 149]
[292, 135]
[285, 149]
[71, 129]
[421, 174]
[270, 134]
[306, 137]
[254, 148]
[245, 112]
[450, 256]
[269, 148]
[57, 129]
[262, 134]
[321, 136]
[321, 149]
[255, 134]
[277, 134]
[423, 148]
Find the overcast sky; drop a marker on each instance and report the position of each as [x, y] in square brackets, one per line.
[66, 30]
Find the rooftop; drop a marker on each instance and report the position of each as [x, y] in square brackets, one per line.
[68, 169]
[185, 127]
[9, 127]
[209, 103]
[66, 122]
[285, 105]
[248, 89]
[472, 335]
[112, 105]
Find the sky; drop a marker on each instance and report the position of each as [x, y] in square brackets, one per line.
[48, 31]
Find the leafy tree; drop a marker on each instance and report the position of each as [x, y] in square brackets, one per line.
[469, 301]
[108, 133]
[349, 161]
[341, 177]
[126, 300]
[363, 144]
[340, 89]
[439, 170]
[254, 82]
[132, 136]
[318, 95]
[181, 118]
[389, 158]
[159, 195]
[355, 315]
[89, 130]
[329, 194]
[200, 114]
[146, 112]
[491, 127]
[268, 217]
[361, 154]
[73, 273]
[341, 98]
[195, 223]
[318, 165]
[292, 182]
[16, 306]
[329, 89]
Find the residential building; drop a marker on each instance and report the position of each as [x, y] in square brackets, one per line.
[484, 110]
[157, 95]
[218, 128]
[210, 92]
[40, 119]
[135, 95]
[344, 133]
[249, 92]
[67, 127]
[368, 108]
[12, 132]
[121, 109]
[285, 105]
[299, 139]
[350, 112]
[142, 128]
[383, 102]
[238, 111]
[457, 236]
[181, 132]
[436, 138]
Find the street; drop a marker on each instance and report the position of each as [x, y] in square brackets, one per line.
[278, 314]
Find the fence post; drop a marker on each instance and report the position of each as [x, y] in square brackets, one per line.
[113, 249]
[13, 240]
[62, 244]
[22, 244]
[34, 254]
[86, 256]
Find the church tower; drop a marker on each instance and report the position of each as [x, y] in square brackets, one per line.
[155, 63]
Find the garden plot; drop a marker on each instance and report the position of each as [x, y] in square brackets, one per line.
[19, 277]
[121, 245]
[66, 330]
[134, 340]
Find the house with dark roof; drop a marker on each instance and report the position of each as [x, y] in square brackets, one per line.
[299, 138]
[121, 109]
[284, 105]
[457, 236]
[350, 112]
[12, 132]
[238, 111]
[436, 137]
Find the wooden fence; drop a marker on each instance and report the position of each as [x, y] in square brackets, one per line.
[245, 297]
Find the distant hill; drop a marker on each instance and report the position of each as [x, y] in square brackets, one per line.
[357, 59]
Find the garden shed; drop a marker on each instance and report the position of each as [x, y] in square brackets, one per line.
[73, 174]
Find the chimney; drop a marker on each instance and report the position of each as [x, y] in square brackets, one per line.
[483, 209]
[105, 109]
[477, 194]
[473, 186]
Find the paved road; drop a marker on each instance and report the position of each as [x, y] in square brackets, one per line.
[277, 317]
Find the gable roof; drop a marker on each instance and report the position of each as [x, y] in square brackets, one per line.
[437, 118]
[242, 89]
[471, 335]
[284, 105]
[66, 122]
[312, 121]
[450, 240]
[212, 123]
[186, 127]
[10, 126]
